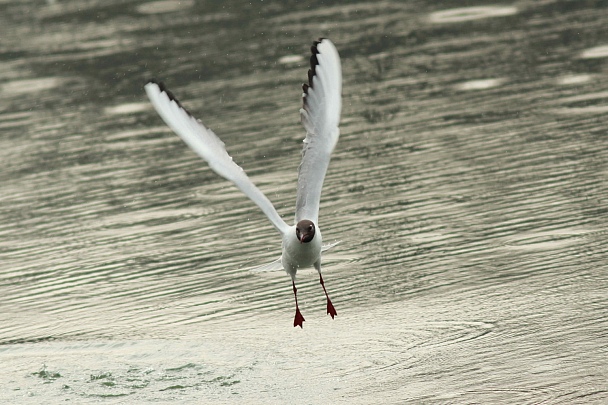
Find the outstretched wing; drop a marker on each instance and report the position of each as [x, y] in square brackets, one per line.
[320, 117]
[208, 146]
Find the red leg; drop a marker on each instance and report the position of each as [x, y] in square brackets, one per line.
[330, 307]
[297, 321]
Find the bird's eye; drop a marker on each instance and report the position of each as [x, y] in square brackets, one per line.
[310, 228]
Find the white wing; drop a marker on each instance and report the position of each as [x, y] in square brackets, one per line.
[208, 146]
[275, 265]
[320, 117]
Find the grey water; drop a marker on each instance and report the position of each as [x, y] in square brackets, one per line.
[469, 190]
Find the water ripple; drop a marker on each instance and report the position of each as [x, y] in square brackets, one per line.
[472, 222]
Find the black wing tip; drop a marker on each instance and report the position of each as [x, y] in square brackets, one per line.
[314, 62]
[160, 84]
[318, 41]
[169, 93]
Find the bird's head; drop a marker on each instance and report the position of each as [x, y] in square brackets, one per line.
[305, 231]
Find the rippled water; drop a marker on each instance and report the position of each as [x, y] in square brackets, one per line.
[468, 188]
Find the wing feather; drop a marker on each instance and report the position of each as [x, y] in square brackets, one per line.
[209, 147]
[320, 116]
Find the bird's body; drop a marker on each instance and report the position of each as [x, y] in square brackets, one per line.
[320, 115]
[299, 255]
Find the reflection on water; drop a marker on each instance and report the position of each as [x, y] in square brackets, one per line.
[164, 6]
[468, 189]
[481, 84]
[463, 14]
[595, 52]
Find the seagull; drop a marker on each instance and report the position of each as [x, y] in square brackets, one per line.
[320, 116]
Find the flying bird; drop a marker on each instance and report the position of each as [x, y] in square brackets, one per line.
[320, 116]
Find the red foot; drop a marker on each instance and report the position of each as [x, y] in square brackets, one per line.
[330, 309]
[297, 321]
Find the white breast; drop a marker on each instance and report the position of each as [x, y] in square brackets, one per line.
[297, 255]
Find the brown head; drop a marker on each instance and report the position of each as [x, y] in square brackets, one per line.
[305, 231]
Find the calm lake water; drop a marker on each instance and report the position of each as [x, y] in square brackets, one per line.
[469, 189]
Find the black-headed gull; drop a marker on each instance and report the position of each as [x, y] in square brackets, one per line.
[320, 116]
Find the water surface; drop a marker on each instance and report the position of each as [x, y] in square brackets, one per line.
[468, 189]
